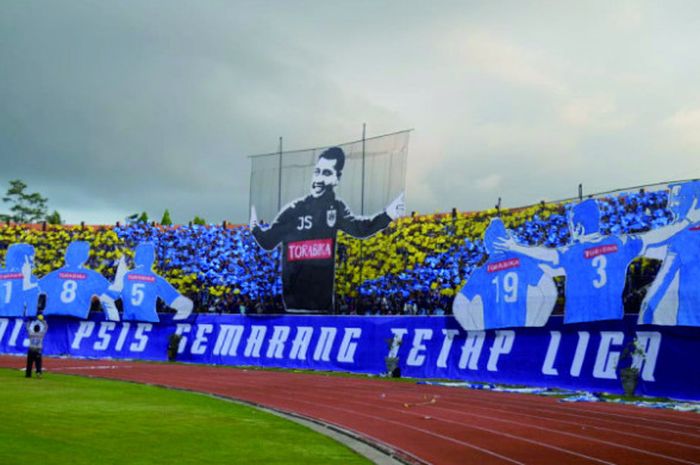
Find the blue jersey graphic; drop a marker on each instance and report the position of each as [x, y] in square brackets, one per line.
[15, 301]
[674, 296]
[502, 283]
[595, 277]
[142, 287]
[510, 290]
[69, 290]
[672, 299]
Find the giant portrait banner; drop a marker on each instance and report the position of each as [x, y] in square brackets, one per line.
[576, 356]
[276, 179]
[305, 228]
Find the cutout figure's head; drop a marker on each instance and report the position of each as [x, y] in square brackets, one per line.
[16, 254]
[145, 255]
[495, 231]
[77, 253]
[584, 219]
[680, 198]
[328, 170]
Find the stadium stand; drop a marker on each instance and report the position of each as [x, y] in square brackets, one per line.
[415, 266]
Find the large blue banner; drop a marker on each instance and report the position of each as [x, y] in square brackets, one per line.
[576, 356]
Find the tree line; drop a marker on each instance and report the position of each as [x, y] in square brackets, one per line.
[25, 208]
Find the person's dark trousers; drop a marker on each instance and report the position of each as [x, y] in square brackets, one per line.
[38, 363]
[33, 358]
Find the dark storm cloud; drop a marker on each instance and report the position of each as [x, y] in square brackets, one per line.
[144, 106]
[110, 108]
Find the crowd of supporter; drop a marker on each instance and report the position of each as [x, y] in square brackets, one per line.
[414, 267]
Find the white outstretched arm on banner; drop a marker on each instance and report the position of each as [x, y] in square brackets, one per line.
[469, 313]
[118, 283]
[253, 217]
[656, 237]
[397, 208]
[110, 309]
[27, 275]
[183, 307]
[541, 300]
[543, 254]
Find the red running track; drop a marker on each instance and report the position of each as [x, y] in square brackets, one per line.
[435, 424]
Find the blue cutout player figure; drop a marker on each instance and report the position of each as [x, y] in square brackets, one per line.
[69, 290]
[307, 230]
[673, 297]
[141, 287]
[509, 290]
[19, 290]
[595, 266]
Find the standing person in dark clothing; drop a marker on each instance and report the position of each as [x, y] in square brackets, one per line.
[36, 330]
[307, 230]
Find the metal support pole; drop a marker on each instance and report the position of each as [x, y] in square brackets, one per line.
[279, 179]
[580, 192]
[362, 198]
[362, 202]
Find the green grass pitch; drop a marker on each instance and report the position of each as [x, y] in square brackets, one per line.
[70, 420]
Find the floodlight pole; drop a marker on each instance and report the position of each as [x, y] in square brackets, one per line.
[362, 194]
[279, 178]
[362, 202]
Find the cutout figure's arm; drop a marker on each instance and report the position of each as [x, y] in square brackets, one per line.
[31, 301]
[27, 282]
[659, 289]
[363, 226]
[469, 313]
[107, 301]
[657, 237]
[541, 300]
[270, 237]
[183, 307]
[172, 297]
[397, 208]
[108, 306]
[543, 254]
[118, 283]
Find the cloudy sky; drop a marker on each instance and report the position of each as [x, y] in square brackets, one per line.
[110, 108]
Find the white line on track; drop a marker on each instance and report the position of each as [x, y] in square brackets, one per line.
[335, 383]
[578, 412]
[580, 408]
[554, 431]
[441, 436]
[573, 423]
[577, 436]
[393, 422]
[92, 367]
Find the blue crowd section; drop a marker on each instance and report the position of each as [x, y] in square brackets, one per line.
[415, 266]
[439, 274]
[219, 256]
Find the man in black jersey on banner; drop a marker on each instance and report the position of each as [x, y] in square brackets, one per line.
[307, 229]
